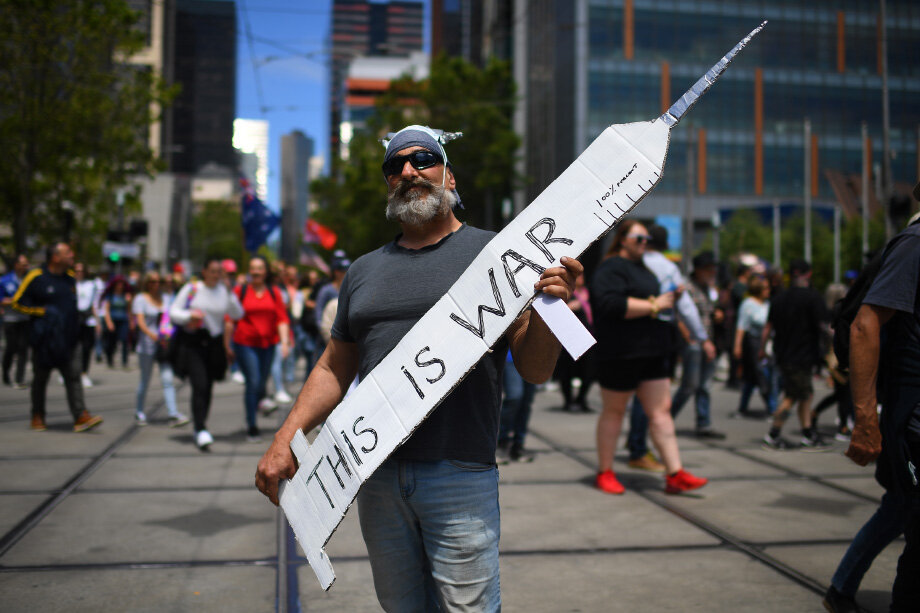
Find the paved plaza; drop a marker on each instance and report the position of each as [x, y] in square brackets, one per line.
[128, 518]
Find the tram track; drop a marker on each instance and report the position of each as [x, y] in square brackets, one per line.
[752, 550]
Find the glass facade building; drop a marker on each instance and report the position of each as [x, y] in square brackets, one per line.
[815, 60]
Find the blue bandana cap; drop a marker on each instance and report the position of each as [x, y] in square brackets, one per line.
[424, 137]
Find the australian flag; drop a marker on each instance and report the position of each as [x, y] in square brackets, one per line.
[258, 220]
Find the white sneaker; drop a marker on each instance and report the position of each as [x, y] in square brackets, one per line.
[177, 420]
[140, 418]
[282, 397]
[203, 439]
[238, 377]
[267, 406]
[60, 379]
[86, 381]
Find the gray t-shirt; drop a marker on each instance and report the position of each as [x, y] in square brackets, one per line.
[383, 295]
[152, 313]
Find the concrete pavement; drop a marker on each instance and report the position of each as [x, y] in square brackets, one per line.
[128, 518]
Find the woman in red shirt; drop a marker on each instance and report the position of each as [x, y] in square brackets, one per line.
[263, 326]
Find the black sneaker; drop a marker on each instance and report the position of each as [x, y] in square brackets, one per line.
[835, 602]
[253, 435]
[519, 454]
[814, 443]
[776, 443]
[710, 434]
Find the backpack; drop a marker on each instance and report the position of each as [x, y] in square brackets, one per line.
[846, 308]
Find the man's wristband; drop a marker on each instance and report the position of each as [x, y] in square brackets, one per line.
[655, 309]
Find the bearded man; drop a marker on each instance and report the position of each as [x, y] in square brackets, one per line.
[429, 515]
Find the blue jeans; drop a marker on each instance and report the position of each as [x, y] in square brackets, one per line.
[276, 369]
[637, 440]
[768, 384]
[883, 527]
[516, 406]
[289, 364]
[146, 361]
[307, 344]
[256, 364]
[432, 531]
[695, 381]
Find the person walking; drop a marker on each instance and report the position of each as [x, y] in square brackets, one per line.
[151, 311]
[200, 308]
[116, 308]
[885, 340]
[798, 317]
[86, 307]
[48, 296]
[756, 372]
[634, 349]
[699, 352]
[263, 327]
[15, 325]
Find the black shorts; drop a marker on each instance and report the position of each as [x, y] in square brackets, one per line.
[626, 375]
[796, 382]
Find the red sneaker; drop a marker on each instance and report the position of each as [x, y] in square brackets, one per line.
[682, 481]
[608, 482]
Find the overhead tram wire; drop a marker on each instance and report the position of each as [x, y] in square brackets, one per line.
[252, 57]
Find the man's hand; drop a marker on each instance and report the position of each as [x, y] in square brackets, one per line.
[709, 350]
[559, 281]
[865, 444]
[277, 463]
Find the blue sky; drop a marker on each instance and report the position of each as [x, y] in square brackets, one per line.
[286, 56]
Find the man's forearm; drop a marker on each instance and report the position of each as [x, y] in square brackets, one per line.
[864, 355]
[534, 348]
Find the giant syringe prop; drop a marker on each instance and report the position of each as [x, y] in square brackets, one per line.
[602, 185]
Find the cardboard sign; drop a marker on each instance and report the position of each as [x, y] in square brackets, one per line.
[606, 181]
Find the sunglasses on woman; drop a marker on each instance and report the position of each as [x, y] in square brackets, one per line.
[420, 160]
[639, 238]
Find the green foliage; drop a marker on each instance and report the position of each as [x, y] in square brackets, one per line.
[73, 117]
[216, 231]
[457, 97]
[745, 232]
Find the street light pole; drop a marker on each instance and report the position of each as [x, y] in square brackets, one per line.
[886, 127]
[864, 196]
[807, 191]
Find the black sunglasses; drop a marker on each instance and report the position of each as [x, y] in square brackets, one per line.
[420, 160]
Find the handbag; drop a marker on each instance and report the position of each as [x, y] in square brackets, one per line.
[171, 339]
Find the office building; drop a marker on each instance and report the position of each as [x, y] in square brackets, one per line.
[362, 28]
[205, 67]
[250, 139]
[296, 153]
[584, 65]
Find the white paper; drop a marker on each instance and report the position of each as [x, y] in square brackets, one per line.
[565, 326]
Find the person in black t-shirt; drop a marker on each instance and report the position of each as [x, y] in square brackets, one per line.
[633, 352]
[885, 339]
[797, 318]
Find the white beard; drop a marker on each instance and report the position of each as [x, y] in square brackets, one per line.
[414, 207]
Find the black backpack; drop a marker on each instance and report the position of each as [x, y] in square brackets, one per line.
[846, 308]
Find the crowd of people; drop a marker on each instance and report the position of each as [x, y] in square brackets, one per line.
[439, 545]
[258, 324]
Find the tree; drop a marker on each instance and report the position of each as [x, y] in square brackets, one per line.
[216, 230]
[74, 116]
[457, 97]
